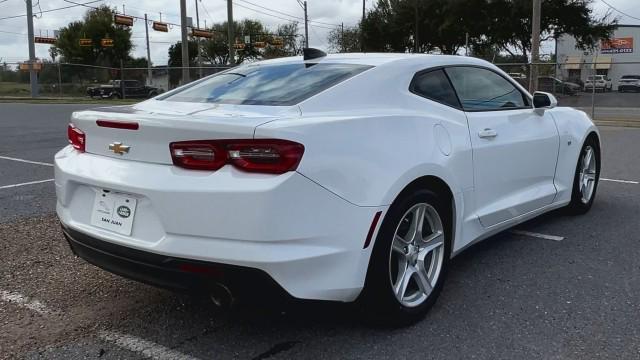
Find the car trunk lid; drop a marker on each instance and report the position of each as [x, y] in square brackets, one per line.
[144, 131]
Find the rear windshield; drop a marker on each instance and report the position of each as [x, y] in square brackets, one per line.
[631, 77]
[282, 84]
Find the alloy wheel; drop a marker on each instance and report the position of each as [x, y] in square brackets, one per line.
[587, 176]
[417, 255]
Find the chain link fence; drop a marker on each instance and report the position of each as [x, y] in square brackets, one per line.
[64, 80]
[608, 91]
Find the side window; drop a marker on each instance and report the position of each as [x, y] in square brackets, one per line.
[482, 90]
[434, 85]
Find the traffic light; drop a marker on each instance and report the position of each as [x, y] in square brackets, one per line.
[123, 20]
[238, 46]
[160, 26]
[44, 40]
[85, 42]
[259, 44]
[106, 42]
[201, 33]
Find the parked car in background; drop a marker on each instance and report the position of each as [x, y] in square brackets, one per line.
[629, 83]
[602, 83]
[557, 86]
[330, 177]
[132, 89]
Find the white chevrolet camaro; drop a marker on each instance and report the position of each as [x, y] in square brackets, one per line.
[330, 177]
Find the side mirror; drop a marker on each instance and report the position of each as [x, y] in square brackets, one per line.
[543, 100]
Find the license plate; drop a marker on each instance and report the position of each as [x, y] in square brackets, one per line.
[113, 211]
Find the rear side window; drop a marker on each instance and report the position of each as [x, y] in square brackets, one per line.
[636, 77]
[434, 85]
[280, 84]
[484, 90]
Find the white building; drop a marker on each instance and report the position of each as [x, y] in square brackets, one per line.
[613, 58]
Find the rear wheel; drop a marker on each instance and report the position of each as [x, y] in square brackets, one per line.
[586, 178]
[409, 260]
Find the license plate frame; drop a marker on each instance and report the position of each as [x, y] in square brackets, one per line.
[114, 211]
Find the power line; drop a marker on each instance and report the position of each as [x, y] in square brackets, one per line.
[621, 12]
[272, 10]
[264, 13]
[51, 10]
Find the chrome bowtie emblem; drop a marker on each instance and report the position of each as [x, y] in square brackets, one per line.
[118, 148]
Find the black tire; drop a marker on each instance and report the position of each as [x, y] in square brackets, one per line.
[379, 302]
[578, 206]
[115, 96]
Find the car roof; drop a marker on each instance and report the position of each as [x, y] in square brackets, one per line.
[377, 59]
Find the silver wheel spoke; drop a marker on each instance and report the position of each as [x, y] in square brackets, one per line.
[423, 282]
[400, 288]
[399, 245]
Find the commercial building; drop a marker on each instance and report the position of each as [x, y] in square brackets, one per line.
[613, 58]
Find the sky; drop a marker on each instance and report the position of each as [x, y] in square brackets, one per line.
[324, 15]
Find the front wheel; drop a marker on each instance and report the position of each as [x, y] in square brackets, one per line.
[409, 260]
[587, 175]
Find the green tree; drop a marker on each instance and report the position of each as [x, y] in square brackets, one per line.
[344, 41]
[443, 25]
[96, 25]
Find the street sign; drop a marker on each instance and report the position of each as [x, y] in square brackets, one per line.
[160, 26]
[44, 40]
[123, 20]
[25, 66]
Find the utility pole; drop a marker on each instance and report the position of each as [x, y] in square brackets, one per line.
[415, 38]
[231, 36]
[362, 32]
[342, 37]
[33, 75]
[535, 45]
[146, 32]
[198, 42]
[185, 44]
[303, 5]
[466, 44]
[306, 26]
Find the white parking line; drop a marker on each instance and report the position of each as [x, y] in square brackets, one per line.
[27, 183]
[537, 235]
[621, 181]
[26, 161]
[25, 302]
[147, 349]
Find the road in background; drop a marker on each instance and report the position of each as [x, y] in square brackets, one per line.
[511, 296]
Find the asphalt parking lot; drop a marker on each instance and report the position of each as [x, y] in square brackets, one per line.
[573, 295]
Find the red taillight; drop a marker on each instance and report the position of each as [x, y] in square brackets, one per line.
[271, 156]
[76, 137]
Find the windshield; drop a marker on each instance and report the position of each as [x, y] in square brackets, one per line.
[281, 84]
[597, 77]
[635, 77]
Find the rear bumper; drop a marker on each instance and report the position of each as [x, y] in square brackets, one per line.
[169, 272]
[308, 240]
[628, 87]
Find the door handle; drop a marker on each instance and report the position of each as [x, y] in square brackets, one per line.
[487, 133]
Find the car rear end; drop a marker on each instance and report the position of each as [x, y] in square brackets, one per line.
[598, 81]
[629, 83]
[181, 195]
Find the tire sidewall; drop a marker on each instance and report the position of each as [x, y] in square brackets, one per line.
[378, 295]
[576, 205]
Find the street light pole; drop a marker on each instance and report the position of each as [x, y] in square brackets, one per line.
[185, 43]
[33, 75]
